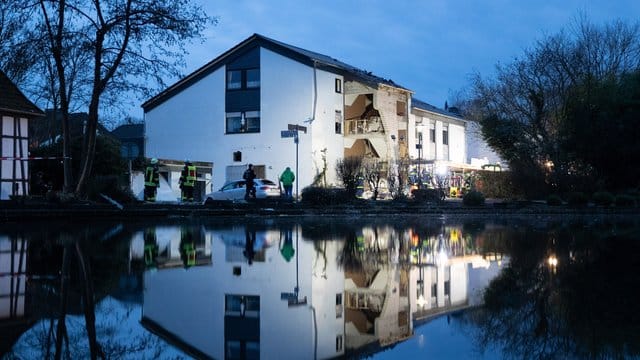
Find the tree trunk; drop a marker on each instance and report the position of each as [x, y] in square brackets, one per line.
[64, 278]
[89, 305]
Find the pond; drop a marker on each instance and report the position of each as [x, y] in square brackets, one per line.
[323, 287]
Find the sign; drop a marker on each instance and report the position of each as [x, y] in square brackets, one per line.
[288, 133]
[298, 128]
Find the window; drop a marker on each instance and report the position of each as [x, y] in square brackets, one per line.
[338, 306]
[243, 79]
[401, 108]
[241, 305]
[338, 121]
[243, 122]
[234, 79]
[338, 85]
[339, 343]
[445, 136]
[253, 78]
[432, 132]
[237, 156]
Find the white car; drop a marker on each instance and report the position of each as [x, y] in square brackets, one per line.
[235, 190]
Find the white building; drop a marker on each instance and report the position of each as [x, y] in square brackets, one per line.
[239, 108]
[225, 306]
[15, 113]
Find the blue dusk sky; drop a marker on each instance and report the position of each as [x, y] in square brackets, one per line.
[430, 47]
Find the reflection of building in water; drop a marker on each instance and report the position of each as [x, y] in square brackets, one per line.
[449, 272]
[301, 298]
[376, 292]
[13, 264]
[233, 309]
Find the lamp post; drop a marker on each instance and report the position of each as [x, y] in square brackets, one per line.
[296, 140]
[419, 147]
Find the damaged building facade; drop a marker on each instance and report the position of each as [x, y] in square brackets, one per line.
[241, 107]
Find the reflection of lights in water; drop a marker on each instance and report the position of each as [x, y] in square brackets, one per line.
[553, 263]
[421, 341]
[421, 300]
[442, 257]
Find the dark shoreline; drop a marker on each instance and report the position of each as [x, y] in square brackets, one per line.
[12, 211]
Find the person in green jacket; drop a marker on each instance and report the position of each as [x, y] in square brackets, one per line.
[287, 179]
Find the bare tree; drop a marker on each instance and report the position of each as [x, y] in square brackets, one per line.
[348, 170]
[374, 173]
[523, 108]
[101, 50]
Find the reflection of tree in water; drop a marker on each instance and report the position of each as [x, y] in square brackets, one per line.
[71, 271]
[350, 258]
[321, 251]
[586, 306]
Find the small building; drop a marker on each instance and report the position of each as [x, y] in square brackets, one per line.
[16, 112]
[131, 137]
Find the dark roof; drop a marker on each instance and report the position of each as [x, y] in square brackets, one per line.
[13, 100]
[421, 105]
[129, 131]
[306, 57]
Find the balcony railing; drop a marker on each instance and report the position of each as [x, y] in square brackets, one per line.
[363, 126]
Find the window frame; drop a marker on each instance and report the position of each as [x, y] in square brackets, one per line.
[445, 135]
[338, 85]
[244, 82]
[250, 122]
[229, 77]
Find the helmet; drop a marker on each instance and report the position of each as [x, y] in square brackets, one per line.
[154, 161]
[187, 161]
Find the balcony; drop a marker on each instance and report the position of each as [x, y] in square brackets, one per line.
[364, 126]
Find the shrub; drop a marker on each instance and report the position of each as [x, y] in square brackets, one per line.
[554, 200]
[603, 198]
[431, 195]
[497, 184]
[473, 198]
[577, 199]
[625, 200]
[314, 195]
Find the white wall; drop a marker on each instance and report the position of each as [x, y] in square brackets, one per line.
[457, 143]
[477, 149]
[187, 125]
[190, 303]
[324, 134]
[9, 169]
[192, 123]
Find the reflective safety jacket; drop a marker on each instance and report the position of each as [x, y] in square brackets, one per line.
[190, 176]
[151, 176]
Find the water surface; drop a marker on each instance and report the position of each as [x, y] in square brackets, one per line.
[321, 288]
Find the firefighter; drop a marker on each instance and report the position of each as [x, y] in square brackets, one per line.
[151, 181]
[150, 248]
[188, 181]
[360, 186]
[187, 247]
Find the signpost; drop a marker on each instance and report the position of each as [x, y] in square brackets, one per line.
[292, 131]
